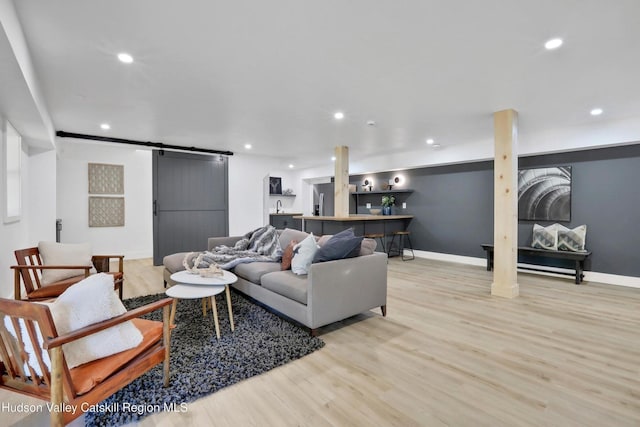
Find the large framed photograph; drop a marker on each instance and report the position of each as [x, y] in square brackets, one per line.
[544, 194]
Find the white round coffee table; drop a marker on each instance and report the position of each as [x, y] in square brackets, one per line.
[190, 286]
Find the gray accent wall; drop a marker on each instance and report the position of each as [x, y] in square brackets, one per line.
[453, 205]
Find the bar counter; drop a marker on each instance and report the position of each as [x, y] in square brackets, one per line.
[362, 224]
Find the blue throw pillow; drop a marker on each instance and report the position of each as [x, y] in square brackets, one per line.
[342, 245]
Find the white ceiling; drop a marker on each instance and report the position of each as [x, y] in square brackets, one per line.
[219, 74]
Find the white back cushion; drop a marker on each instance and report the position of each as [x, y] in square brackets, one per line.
[53, 253]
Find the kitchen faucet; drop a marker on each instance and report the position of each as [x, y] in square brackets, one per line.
[278, 205]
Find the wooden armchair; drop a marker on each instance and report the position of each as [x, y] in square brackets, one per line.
[84, 385]
[30, 268]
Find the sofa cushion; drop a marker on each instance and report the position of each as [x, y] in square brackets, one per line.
[287, 284]
[253, 271]
[304, 253]
[342, 245]
[324, 239]
[368, 246]
[289, 234]
[173, 262]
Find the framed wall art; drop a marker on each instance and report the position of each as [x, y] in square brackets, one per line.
[275, 185]
[544, 194]
[106, 211]
[106, 179]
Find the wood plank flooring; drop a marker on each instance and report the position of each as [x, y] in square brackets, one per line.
[447, 354]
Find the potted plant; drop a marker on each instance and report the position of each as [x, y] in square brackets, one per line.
[387, 202]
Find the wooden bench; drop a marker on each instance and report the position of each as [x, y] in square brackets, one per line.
[577, 257]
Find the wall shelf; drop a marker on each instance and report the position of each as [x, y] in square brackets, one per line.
[361, 193]
[282, 195]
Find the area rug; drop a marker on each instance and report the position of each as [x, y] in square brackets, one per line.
[201, 364]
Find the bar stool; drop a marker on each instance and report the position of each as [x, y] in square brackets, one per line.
[377, 236]
[400, 251]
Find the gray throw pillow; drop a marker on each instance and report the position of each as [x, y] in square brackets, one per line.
[572, 240]
[545, 237]
[342, 245]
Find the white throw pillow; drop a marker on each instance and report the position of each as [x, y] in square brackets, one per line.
[304, 253]
[87, 302]
[54, 253]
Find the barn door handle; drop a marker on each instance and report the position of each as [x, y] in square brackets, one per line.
[155, 208]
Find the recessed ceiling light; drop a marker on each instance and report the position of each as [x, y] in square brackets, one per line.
[596, 111]
[333, 158]
[247, 146]
[105, 126]
[290, 166]
[125, 57]
[430, 141]
[338, 115]
[553, 44]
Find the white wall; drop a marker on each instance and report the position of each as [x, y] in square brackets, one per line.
[247, 195]
[37, 220]
[135, 239]
[41, 215]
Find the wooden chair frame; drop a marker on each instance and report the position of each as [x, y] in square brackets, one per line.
[56, 384]
[30, 267]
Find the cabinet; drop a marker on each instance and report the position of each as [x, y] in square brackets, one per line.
[285, 220]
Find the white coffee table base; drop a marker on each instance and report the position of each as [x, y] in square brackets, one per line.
[229, 308]
[209, 288]
[181, 291]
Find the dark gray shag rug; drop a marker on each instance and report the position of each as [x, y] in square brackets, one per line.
[201, 364]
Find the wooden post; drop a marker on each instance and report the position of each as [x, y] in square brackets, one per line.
[341, 182]
[505, 215]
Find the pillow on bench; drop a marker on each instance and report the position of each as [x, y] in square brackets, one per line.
[545, 237]
[572, 240]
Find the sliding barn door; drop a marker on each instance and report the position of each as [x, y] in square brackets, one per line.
[190, 202]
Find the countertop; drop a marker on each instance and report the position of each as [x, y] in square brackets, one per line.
[354, 217]
[285, 213]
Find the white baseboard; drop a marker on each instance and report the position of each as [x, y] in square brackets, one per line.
[612, 279]
[438, 256]
[589, 276]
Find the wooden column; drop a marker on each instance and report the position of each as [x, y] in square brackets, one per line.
[505, 215]
[341, 182]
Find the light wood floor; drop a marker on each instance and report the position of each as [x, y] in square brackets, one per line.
[447, 354]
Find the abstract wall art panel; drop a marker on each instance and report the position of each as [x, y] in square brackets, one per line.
[544, 194]
[106, 179]
[106, 211]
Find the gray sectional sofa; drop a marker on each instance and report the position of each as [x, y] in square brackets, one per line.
[332, 291]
